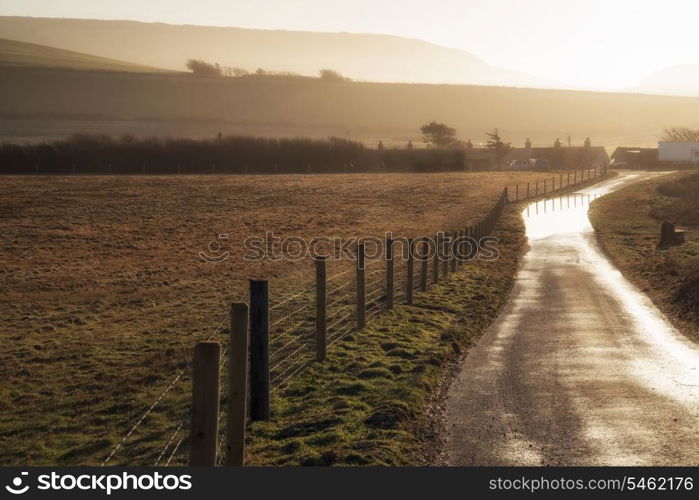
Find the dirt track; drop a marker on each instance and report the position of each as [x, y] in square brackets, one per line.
[580, 368]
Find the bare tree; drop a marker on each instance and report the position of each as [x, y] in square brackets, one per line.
[680, 134]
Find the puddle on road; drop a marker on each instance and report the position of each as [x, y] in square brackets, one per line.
[567, 213]
[561, 215]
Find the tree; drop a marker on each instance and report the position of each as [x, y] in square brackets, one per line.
[680, 134]
[498, 147]
[330, 75]
[202, 68]
[439, 135]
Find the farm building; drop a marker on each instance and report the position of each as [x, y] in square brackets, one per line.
[678, 152]
[480, 159]
[635, 157]
[561, 158]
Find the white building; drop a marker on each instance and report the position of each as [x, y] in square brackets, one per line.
[678, 152]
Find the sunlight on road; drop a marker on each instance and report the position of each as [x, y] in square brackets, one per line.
[669, 362]
[580, 368]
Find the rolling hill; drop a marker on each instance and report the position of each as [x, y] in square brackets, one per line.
[14, 53]
[676, 80]
[43, 95]
[369, 57]
[38, 103]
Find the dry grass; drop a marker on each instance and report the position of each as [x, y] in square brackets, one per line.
[103, 294]
[628, 224]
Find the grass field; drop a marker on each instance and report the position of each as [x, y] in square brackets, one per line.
[104, 295]
[14, 53]
[628, 225]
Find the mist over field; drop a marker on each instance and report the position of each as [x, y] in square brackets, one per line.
[50, 91]
[372, 57]
[38, 103]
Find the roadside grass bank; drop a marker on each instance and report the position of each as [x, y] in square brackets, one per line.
[369, 403]
[627, 223]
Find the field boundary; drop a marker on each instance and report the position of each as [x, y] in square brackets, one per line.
[284, 335]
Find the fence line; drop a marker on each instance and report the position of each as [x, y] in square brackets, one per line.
[288, 334]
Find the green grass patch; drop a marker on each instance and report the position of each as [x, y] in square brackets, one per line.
[366, 404]
[628, 226]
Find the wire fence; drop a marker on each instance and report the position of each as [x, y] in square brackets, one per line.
[554, 183]
[294, 332]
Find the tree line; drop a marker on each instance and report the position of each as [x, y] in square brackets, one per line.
[203, 68]
[97, 154]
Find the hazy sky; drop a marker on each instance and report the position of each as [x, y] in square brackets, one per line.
[607, 44]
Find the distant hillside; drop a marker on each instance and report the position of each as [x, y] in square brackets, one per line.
[676, 80]
[379, 58]
[14, 53]
[41, 103]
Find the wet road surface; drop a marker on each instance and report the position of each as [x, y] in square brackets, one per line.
[579, 368]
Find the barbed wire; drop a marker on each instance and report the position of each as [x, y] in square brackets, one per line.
[178, 376]
[288, 299]
[296, 349]
[341, 287]
[172, 438]
[338, 275]
[278, 321]
[174, 450]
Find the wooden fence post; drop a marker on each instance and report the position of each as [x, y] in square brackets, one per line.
[516, 192]
[389, 273]
[445, 253]
[203, 433]
[423, 264]
[409, 274]
[527, 190]
[537, 188]
[361, 286]
[259, 350]
[452, 255]
[462, 237]
[435, 270]
[321, 308]
[237, 385]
